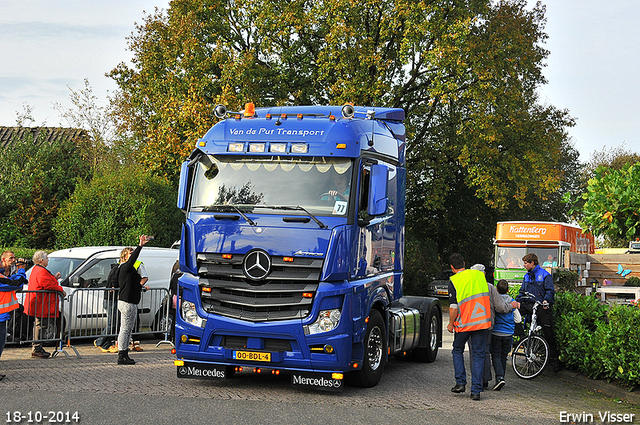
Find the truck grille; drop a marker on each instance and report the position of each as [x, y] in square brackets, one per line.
[225, 290]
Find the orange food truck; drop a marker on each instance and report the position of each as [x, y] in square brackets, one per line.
[548, 240]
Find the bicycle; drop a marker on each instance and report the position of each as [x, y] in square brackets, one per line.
[531, 355]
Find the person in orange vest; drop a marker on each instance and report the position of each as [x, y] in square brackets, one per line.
[470, 318]
[8, 302]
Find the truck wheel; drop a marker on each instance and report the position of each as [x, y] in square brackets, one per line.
[433, 327]
[375, 348]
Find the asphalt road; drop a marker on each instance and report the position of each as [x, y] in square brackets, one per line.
[150, 392]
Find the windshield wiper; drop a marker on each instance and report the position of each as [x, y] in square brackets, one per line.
[296, 208]
[221, 208]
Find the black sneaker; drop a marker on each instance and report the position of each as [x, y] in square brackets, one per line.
[458, 389]
[475, 396]
[499, 385]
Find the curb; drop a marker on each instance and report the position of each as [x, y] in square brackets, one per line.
[608, 389]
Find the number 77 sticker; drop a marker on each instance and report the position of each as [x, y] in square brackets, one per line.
[339, 208]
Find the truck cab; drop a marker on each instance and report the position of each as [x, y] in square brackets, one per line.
[292, 247]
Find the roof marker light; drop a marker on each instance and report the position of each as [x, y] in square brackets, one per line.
[299, 116]
[341, 146]
[202, 144]
[268, 116]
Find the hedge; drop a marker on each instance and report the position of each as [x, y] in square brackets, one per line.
[599, 340]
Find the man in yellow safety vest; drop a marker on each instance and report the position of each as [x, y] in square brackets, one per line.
[470, 318]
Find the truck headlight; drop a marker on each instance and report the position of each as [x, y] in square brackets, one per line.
[327, 321]
[190, 314]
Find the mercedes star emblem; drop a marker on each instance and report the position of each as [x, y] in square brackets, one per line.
[256, 265]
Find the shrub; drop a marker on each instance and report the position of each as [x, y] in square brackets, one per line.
[632, 281]
[598, 340]
[566, 280]
[118, 206]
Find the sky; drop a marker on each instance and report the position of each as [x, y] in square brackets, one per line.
[50, 46]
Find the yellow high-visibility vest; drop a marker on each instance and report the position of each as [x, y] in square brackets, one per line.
[472, 295]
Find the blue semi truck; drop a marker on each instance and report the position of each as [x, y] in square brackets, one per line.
[292, 248]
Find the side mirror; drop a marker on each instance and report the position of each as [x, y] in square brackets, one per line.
[182, 189]
[378, 190]
[77, 282]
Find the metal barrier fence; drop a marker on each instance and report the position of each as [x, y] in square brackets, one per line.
[93, 313]
[38, 320]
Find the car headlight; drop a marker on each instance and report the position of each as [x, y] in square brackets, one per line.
[327, 321]
[190, 314]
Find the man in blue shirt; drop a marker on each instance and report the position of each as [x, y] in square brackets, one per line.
[539, 282]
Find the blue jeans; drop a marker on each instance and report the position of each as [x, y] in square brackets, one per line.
[478, 343]
[500, 347]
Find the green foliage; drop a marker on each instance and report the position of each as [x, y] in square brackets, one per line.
[612, 202]
[118, 206]
[632, 281]
[566, 280]
[37, 176]
[600, 341]
[20, 252]
[619, 345]
[513, 291]
[419, 260]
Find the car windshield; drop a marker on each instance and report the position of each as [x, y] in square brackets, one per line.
[63, 265]
[319, 185]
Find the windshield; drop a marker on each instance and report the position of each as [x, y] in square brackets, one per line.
[319, 185]
[63, 265]
[511, 258]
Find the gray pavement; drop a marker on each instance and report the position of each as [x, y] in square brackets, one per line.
[95, 385]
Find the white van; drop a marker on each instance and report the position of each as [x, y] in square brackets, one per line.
[88, 268]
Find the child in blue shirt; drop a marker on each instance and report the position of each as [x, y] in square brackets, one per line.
[501, 337]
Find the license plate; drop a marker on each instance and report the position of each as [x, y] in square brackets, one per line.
[443, 292]
[254, 356]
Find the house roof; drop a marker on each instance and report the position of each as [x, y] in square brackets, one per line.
[47, 134]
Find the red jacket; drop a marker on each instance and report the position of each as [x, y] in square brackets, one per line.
[40, 304]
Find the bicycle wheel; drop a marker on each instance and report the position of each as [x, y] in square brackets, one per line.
[530, 357]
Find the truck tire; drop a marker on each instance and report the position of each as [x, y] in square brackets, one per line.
[433, 325]
[375, 349]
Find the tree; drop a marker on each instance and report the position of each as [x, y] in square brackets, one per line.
[613, 158]
[116, 207]
[37, 176]
[612, 202]
[466, 72]
[88, 115]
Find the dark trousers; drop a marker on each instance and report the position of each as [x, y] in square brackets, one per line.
[500, 347]
[486, 375]
[107, 338]
[3, 335]
[545, 319]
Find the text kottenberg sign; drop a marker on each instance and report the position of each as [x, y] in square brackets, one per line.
[520, 231]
